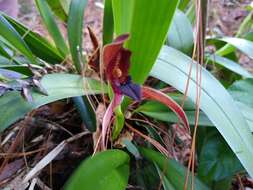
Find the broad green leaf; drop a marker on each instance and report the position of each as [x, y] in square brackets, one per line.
[243, 95]
[180, 34]
[58, 9]
[216, 160]
[243, 45]
[38, 45]
[14, 106]
[75, 28]
[174, 172]
[215, 101]
[108, 24]
[123, 11]
[51, 26]
[12, 36]
[148, 24]
[242, 91]
[108, 170]
[229, 64]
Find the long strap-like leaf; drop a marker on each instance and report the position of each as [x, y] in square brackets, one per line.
[172, 67]
[13, 38]
[14, 106]
[52, 27]
[75, 28]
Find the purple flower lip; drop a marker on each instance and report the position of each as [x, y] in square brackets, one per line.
[131, 90]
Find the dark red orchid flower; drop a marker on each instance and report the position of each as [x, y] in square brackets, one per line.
[116, 63]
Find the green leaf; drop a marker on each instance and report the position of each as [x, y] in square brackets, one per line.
[229, 64]
[75, 28]
[174, 172]
[38, 45]
[23, 69]
[51, 26]
[132, 148]
[154, 133]
[3, 52]
[166, 183]
[215, 101]
[190, 13]
[58, 9]
[119, 122]
[14, 106]
[243, 45]
[161, 112]
[148, 31]
[183, 4]
[86, 112]
[108, 24]
[180, 34]
[244, 27]
[216, 160]
[108, 170]
[12, 36]
[225, 184]
[65, 5]
[242, 93]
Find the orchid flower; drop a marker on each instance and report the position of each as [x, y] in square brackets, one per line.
[116, 63]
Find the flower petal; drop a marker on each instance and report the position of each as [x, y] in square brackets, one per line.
[132, 90]
[152, 94]
[94, 59]
[111, 51]
[107, 117]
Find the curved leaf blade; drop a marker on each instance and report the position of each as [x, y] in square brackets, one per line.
[75, 28]
[174, 172]
[148, 31]
[52, 27]
[242, 93]
[243, 45]
[13, 37]
[180, 34]
[229, 64]
[217, 104]
[57, 8]
[161, 112]
[38, 45]
[108, 170]
[14, 106]
[216, 160]
[108, 24]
